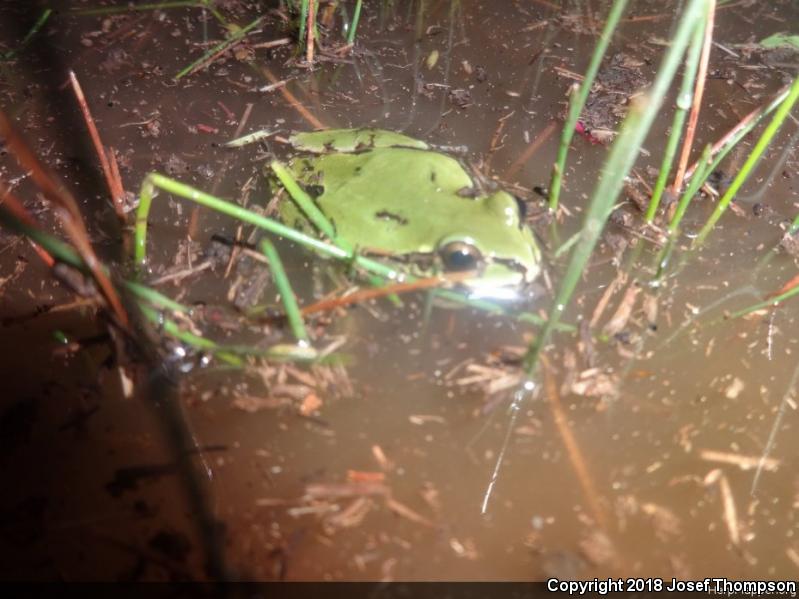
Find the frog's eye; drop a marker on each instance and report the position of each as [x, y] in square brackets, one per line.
[459, 256]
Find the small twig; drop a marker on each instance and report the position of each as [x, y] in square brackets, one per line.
[271, 86]
[699, 91]
[278, 42]
[724, 48]
[293, 101]
[116, 181]
[309, 44]
[729, 511]
[114, 188]
[531, 149]
[179, 275]
[367, 294]
[572, 447]
[563, 72]
[744, 462]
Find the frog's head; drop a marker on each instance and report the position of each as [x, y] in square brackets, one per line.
[499, 248]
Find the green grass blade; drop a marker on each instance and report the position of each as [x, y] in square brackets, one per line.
[704, 169]
[765, 139]
[769, 303]
[235, 211]
[171, 328]
[304, 201]
[286, 292]
[700, 176]
[234, 38]
[29, 36]
[63, 252]
[684, 100]
[303, 20]
[576, 105]
[356, 17]
[156, 298]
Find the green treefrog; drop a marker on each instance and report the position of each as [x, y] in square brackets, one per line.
[390, 195]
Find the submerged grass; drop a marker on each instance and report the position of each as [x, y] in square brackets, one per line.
[705, 166]
[700, 176]
[11, 54]
[746, 170]
[287, 296]
[622, 157]
[219, 48]
[771, 302]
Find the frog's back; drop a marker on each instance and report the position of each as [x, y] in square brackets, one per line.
[393, 198]
[351, 140]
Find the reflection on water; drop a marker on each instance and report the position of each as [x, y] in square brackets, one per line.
[661, 446]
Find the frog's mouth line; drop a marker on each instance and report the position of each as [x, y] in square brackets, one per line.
[428, 264]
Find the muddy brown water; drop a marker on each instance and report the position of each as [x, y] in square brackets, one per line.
[655, 474]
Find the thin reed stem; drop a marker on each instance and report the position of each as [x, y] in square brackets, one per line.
[205, 199]
[577, 103]
[743, 174]
[693, 187]
[683, 104]
[287, 296]
[309, 45]
[304, 201]
[218, 49]
[767, 303]
[356, 17]
[699, 92]
[303, 21]
[29, 36]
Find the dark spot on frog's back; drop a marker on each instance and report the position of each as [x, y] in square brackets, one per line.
[468, 192]
[315, 190]
[307, 167]
[432, 176]
[386, 215]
